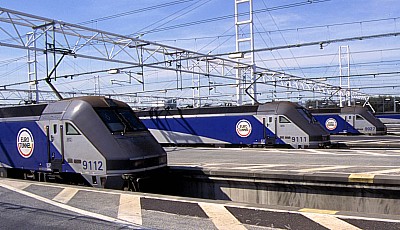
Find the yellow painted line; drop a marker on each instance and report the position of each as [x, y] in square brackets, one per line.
[130, 209]
[330, 221]
[221, 217]
[361, 178]
[65, 195]
[320, 211]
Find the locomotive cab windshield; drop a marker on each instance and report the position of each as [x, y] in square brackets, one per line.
[306, 114]
[120, 120]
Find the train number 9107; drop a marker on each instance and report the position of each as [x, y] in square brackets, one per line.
[92, 165]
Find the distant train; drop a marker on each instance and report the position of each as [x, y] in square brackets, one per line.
[92, 140]
[275, 124]
[349, 120]
[389, 118]
[391, 121]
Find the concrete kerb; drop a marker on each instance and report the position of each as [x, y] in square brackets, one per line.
[352, 178]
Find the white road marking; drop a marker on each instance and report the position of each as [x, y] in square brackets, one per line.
[67, 207]
[330, 222]
[384, 171]
[16, 184]
[12, 185]
[130, 208]
[387, 141]
[65, 195]
[187, 165]
[314, 151]
[211, 164]
[322, 168]
[221, 217]
[258, 166]
[372, 153]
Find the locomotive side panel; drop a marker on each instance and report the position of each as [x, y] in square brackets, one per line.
[22, 145]
[211, 129]
[285, 131]
[73, 148]
[25, 145]
[335, 124]
[364, 126]
[275, 123]
[290, 133]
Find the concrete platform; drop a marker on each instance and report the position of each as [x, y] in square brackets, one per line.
[365, 141]
[34, 205]
[356, 180]
[378, 163]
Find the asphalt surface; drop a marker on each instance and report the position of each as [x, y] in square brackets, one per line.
[339, 161]
[21, 212]
[365, 141]
[33, 205]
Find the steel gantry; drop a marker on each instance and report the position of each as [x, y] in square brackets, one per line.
[244, 29]
[54, 40]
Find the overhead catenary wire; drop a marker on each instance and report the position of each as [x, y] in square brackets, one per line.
[293, 57]
[320, 43]
[173, 16]
[141, 10]
[335, 54]
[266, 44]
[266, 32]
[203, 21]
[283, 37]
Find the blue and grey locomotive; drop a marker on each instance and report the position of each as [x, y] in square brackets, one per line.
[276, 123]
[349, 120]
[95, 140]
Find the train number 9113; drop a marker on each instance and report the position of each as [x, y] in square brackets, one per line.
[92, 165]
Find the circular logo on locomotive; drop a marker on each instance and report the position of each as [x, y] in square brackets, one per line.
[243, 128]
[25, 143]
[331, 124]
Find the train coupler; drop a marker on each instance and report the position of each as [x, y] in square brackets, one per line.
[131, 183]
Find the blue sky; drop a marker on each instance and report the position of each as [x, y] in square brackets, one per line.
[336, 18]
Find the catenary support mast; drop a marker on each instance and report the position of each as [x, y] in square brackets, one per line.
[245, 41]
[344, 68]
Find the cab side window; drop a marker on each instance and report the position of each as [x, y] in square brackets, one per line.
[71, 130]
[283, 119]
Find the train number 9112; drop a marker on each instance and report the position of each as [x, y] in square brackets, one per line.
[92, 165]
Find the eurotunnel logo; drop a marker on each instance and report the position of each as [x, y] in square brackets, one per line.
[331, 124]
[243, 128]
[25, 143]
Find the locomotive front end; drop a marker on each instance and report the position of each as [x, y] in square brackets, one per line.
[115, 149]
